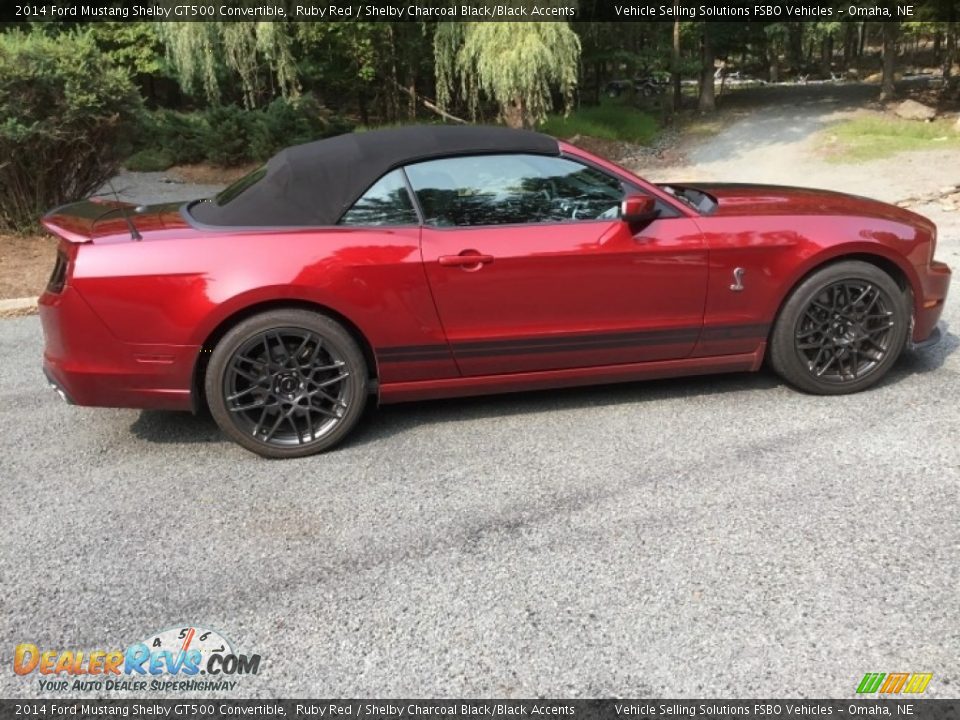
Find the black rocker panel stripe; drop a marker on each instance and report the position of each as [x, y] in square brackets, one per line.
[570, 343]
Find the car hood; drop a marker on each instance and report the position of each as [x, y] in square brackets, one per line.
[742, 199]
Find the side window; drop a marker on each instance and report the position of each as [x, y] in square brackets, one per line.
[387, 202]
[512, 189]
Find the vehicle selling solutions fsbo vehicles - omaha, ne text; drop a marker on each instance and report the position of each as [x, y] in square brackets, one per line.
[427, 262]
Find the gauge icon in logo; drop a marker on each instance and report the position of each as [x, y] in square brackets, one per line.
[183, 639]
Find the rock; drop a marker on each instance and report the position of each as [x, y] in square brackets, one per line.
[912, 110]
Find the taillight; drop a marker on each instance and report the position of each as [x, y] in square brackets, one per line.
[59, 275]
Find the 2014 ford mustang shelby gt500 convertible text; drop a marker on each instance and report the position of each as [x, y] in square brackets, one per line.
[427, 262]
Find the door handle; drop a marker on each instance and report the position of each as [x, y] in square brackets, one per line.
[467, 258]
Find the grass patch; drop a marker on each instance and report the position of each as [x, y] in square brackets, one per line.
[871, 138]
[609, 121]
[703, 126]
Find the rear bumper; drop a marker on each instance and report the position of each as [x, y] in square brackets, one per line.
[87, 365]
[934, 284]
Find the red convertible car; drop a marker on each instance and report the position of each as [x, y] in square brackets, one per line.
[428, 262]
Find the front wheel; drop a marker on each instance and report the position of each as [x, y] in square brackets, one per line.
[287, 383]
[841, 330]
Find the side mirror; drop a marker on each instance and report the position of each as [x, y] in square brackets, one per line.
[638, 209]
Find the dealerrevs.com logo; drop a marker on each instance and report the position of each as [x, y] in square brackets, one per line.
[178, 659]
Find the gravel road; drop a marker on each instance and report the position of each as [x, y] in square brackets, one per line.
[157, 187]
[719, 536]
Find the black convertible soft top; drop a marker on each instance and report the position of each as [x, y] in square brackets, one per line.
[315, 183]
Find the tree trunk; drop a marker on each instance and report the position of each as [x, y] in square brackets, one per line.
[773, 60]
[598, 79]
[675, 66]
[795, 46]
[862, 39]
[412, 97]
[392, 99]
[826, 56]
[849, 37]
[950, 52]
[512, 113]
[887, 89]
[707, 101]
[362, 106]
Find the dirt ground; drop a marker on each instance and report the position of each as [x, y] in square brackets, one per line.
[25, 264]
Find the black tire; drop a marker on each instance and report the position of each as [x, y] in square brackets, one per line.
[286, 383]
[841, 330]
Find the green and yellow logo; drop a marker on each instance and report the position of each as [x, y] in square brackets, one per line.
[894, 683]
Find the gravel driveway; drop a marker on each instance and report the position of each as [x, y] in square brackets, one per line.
[690, 538]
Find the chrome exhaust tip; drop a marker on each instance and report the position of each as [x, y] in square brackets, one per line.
[57, 389]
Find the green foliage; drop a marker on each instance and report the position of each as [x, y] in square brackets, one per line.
[64, 113]
[182, 136]
[869, 138]
[515, 64]
[228, 135]
[133, 46]
[283, 123]
[202, 53]
[609, 121]
[149, 160]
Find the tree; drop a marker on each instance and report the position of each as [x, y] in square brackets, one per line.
[203, 51]
[707, 102]
[890, 32]
[675, 65]
[949, 56]
[514, 64]
[136, 48]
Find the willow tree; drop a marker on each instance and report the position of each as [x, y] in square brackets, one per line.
[517, 65]
[200, 52]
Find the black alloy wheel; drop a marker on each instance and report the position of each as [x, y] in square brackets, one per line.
[841, 330]
[287, 383]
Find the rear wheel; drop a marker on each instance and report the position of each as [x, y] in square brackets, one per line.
[841, 330]
[287, 383]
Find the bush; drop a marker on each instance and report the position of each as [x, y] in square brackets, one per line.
[230, 130]
[182, 136]
[65, 114]
[230, 136]
[149, 160]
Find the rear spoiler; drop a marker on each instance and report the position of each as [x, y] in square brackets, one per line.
[74, 221]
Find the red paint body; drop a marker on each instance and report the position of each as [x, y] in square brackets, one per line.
[565, 304]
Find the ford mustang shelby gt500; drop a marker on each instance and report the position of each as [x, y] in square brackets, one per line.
[427, 262]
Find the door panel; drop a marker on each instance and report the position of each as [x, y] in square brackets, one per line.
[565, 295]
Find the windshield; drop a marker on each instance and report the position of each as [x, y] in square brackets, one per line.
[231, 192]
